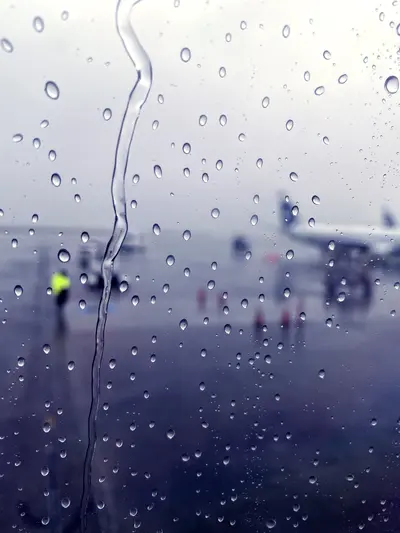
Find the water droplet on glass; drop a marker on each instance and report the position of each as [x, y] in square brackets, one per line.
[311, 222]
[21, 361]
[186, 235]
[265, 102]
[46, 427]
[64, 15]
[271, 523]
[82, 304]
[381, 16]
[327, 54]
[71, 365]
[156, 229]
[36, 143]
[289, 125]
[123, 286]
[18, 290]
[133, 204]
[170, 434]
[18, 137]
[312, 480]
[112, 364]
[6, 46]
[343, 78]
[321, 373]
[203, 120]
[222, 72]
[38, 24]
[135, 300]
[254, 220]
[157, 171]
[307, 76]
[186, 148]
[107, 113]
[186, 55]
[52, 155]
[392, 84]
[259, 163]
[165, 288]
[215, 212]
[45, 471]
[183, 324]
[325, 140]
[46, 349]
[65, 502]
[286, 31]
[223, 120]
[185, 457]
[289, 254]
[316, 200]
[319, 90]
[374, 422]
[293, 176]
[56, 179]
[44, 124]
[85, 236]
[52, 90]
[63, 255]
[244, 303]
[170, 260]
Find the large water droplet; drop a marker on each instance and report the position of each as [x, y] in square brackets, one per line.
[325, 140]
[343, 78]
[321, 373]
[17, 138]
[223, 120]
[63, 255]
[170, 434]
[36, 143]
[183, 324]
[107, 113]
[293, 176]
[311, 222]
[286, 31]
[156, 229]
[64, 15]
[289, 125]
[222, 72]
[186, 55]
[316, 200]
[158, 171]
[259, 163]
[38, 24]
[319, 90]
[52, 90]
[170, 260]
[65, 502]
[271, 523]
[254, 220]
[327, 54]
[203, 120]
[186, 235]
[6, 46]
[215, 212]
[392, 84]
[289, 254]
[228, 37]
[56, 179]
[265, 101]
[44, 124]
[18, 290]
[186, 148]
[307, 76]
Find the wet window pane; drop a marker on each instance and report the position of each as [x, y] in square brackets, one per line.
[200, 265]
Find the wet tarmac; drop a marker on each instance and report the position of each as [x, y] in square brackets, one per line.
[205, 425]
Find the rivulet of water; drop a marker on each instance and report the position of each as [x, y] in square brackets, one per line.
[136, 100]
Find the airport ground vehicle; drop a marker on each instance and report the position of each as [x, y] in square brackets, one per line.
[90, 261]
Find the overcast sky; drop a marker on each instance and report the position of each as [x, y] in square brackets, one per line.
[354, 175]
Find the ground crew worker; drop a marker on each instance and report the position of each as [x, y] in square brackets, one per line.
[60, 285]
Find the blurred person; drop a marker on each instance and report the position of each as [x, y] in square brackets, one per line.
[60, 285]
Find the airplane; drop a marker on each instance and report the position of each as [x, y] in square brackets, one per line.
[379, 243]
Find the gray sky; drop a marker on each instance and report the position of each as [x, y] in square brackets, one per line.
[353, 175]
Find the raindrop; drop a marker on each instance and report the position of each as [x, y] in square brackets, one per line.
[52, 90]
[215, 212]
[83, 278]
[307, 76]
[18, 290]
[223, 120]
[7, 45]
[319, 90]
[222, 72]
[374, 422]
[202, 386]
[254, 220]
[256, 198]
[392, 84]
[71, 365]
[259, 163]
[203, 352]
[228, 37]
[52, 155]
[157, 171]
[135, 300]
[56, 179]
[44, 124]
[123, 286]
[243, 25]
[341, 297]
[64, 15]
[186, 55]
[327, 54]
[36, 143]
[398, 29]
[17, 138]
[242, 137]
[155, 124]
[289, 125]
[219, 164]
[205, 177]
[170, 434]
[293, 176]
[185, 457]
[160, 99]
[133, 204]
[65, 502]
[316, 200]
[85, 236]
[82, 304]
[38, 24]
[63, 255]
[203, 120]
[271, 523]
[286, 292]
[321, 373]
[46, 427]
[325, 140]
[21, 361]
[107, 113]
[381, 16]
[265, 102]
[45, 471]
[244, 303]
[14, 243]
[183, 324]
[343, 78]
[170, 260]
[186, 148]
[156, 229]
[112, 364]
[46, 349]
[186, 235]
[312, 480]
[289, 254]
[286, 31]
[311, 222]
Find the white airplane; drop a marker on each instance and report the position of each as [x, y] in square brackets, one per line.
[381, 242]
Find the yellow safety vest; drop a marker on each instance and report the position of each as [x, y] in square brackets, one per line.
[59, 283]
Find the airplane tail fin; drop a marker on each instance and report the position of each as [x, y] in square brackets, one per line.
[388, 219]
[287, 213]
